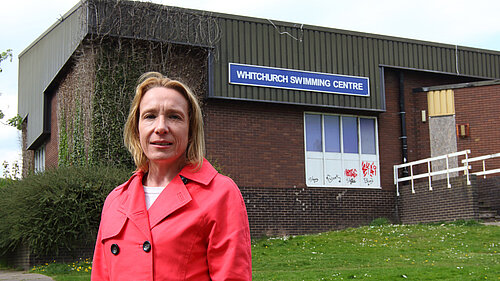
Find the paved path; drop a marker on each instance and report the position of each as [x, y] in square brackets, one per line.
[497, 223]
[12, 275]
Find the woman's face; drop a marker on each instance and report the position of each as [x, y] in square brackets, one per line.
[164, 126]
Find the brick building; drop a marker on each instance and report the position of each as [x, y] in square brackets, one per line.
[307, 120]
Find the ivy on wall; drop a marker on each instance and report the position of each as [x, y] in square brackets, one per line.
[74, 111]
[107, 67]
[63, 152]
[120, 63]
[78, 156]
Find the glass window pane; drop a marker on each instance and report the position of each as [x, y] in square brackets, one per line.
[367, 130]
[332, 133]
[350, 134]
[313, 133]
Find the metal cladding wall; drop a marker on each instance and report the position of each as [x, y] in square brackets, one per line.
[309, 48]
[39, 64]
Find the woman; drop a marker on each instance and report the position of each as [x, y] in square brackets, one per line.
[176, 218]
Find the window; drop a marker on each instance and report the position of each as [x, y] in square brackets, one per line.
[341, 150]
[40, 159]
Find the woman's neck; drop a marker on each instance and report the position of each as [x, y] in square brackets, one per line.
[160, 174]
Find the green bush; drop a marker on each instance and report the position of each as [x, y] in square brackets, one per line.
[4, 182]
[55, 210]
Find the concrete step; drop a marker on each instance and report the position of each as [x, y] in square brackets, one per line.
[487, 214]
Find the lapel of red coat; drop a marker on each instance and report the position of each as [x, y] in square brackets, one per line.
[173, 197]
[176, 194]
[135, 205]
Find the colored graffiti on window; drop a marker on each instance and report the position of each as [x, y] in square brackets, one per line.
[369, 169]
[351, 175]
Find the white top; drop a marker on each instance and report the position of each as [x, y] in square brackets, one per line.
[151, 193]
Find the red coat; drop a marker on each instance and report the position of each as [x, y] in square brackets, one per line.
[193, 231]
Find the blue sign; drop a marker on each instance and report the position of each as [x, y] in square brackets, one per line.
[262, 76]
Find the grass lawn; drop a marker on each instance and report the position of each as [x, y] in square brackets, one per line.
[76, 271]
[456, 251]
[464, 251]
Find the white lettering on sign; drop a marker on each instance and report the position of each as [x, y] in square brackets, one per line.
[262, 76]
[310, 81]
[348, 85]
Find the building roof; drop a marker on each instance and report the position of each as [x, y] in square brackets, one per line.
[458, 86]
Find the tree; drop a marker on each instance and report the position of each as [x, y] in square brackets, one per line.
[16, 120]
[5, 55]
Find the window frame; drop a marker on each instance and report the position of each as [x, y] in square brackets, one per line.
[326, 159]
[39, 159]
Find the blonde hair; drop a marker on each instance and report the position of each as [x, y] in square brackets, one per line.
[195, 151]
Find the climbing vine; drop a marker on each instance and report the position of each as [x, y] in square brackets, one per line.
[63, 153]
[78, 156]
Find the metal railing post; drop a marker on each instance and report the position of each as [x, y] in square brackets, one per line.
[448, 171]
[429, 173]
[467, 166]
[412, 185]
[396, 180]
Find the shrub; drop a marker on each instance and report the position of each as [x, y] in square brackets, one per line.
[55, 210]
[4, 182]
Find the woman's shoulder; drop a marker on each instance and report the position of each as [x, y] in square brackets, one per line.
[124, 186]
[225, 181]
[120, 190]
[223, 188]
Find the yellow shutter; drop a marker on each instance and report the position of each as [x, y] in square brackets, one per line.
[441, 102]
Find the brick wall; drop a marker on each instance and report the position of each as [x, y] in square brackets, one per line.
[52, 144]
[440, 204]
[23, 258]
[488, 193]
[389, 131]
[261, 146]
[418, 139]
[20, 258]
[256, 144]
[28, 155]
[65, 256]
[478, 107]
[291, 211]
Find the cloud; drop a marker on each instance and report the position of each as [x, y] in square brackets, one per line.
[9, 104]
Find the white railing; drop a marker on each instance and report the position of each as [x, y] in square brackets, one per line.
[483, 159]
[429, 173]
[447, 170]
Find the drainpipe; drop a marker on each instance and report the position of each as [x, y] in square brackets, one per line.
[403, 137]
[403, 121]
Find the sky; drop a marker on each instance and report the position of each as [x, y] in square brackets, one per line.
[458, 22]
